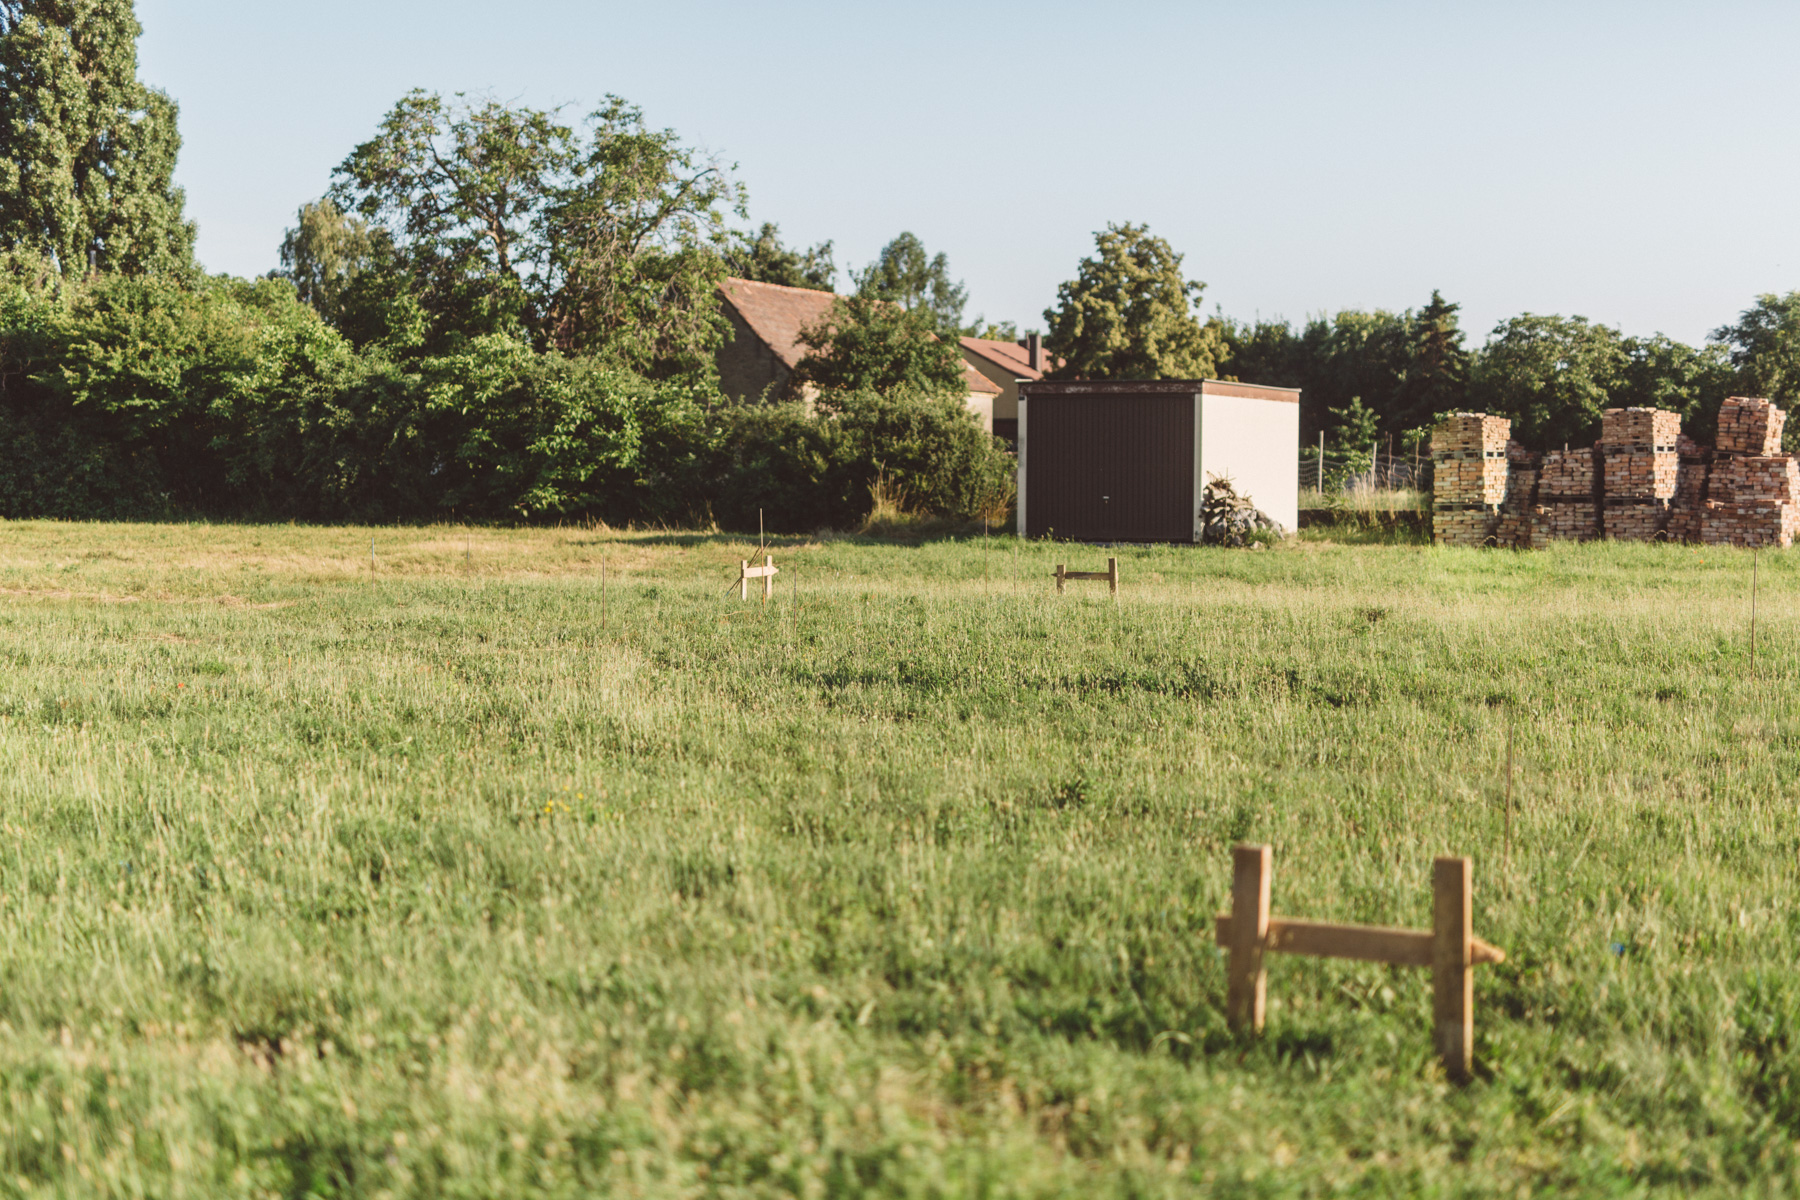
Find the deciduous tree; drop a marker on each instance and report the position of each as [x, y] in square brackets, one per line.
[1130, 314]
[761, 257]
[87, 152]
[606, 241]
[905, 274]
[324, 253]
[1552, 375]
[1764, 345]
[865, 344]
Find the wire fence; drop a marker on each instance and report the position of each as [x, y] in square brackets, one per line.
[1357, 472]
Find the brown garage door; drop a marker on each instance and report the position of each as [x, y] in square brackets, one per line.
[1105, 468]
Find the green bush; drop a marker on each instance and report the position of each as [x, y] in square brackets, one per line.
[151, 398]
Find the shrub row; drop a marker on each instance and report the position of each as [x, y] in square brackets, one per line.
[127, 398]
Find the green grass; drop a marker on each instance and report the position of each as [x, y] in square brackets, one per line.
[466, 879]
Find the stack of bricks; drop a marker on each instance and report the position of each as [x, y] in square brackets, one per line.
[1469, 475]
[1638, 446]
[1753, 493]
[1568, 488]
[1515, 525]
[1643, 480]
[1694, 465]
[1750, 427]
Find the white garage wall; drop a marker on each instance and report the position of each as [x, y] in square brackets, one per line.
[1256, 443]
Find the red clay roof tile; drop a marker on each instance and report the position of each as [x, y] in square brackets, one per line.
[777, 314]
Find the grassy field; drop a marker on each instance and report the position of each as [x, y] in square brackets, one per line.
[463, 876]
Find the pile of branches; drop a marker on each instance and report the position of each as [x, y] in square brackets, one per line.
[1228, 519]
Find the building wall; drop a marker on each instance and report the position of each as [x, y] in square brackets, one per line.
[1108, 467]
[982, 405]
[1006, 404]
[747, 367]
[1256, 443]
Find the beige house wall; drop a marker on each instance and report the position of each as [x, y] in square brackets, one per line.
[982, 405]
[1006, 405]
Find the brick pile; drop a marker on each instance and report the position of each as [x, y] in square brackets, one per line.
[1637, 446]
[1748, 426]
[1647, 427]
[1694, 466]
[1567, 494]
[1642, 480]
[1752, 501]
[1723, 523]
[1523, 468]
[1469, 477]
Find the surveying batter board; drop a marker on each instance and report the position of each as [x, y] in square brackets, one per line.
[767, 573]
[1450, 948]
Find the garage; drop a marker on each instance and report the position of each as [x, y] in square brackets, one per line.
[1127, 461]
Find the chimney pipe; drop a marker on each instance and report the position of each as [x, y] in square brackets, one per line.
[1034, 351]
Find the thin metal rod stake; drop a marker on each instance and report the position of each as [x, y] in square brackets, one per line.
[1509, 760]
[1753, 556]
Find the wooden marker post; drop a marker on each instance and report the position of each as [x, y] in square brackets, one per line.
[1111, 575]
[1249, 932]
[1247, 984]
[1452, 965]
[766, 573]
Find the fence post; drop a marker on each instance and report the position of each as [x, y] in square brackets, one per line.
[744, 579]
[1452, 972]
[1246, 981]
[1112, 576]
[1059, 578]
[768, 580]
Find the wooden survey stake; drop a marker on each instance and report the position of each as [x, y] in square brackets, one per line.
[1452, 951]
[766, 573]
[1111, 575]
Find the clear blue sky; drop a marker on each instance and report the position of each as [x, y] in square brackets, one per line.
[1635, 163]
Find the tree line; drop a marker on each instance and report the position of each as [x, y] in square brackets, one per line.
[493, 313]
[496, 312]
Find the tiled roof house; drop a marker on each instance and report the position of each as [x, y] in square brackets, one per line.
[766, 320]
[1004, 364]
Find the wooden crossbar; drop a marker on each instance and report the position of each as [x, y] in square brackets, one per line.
[1111, 575]
[1450, 948]
[1364, 943]
[766, 573]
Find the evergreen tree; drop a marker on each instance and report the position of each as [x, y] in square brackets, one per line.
[1437, 372]
[87, 153]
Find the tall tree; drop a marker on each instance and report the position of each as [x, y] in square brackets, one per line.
[87, 153]
[907, 275]
[865, 344]
[761, 257]
[459, 189]
[1130, 314]
[1436, 374]
[1661, 372]
[636, 236]
[324, 253]
[506, 220]
[1552, 375]
[1764, 344]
